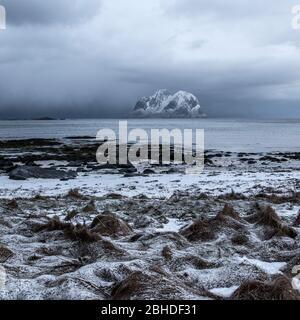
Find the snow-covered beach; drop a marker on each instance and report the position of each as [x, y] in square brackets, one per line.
[147, 232]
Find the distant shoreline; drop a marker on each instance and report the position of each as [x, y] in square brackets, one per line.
[155, 118]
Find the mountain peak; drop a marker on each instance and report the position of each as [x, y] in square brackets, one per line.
[163, 104]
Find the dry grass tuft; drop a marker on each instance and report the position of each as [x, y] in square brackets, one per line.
[130, 286]
[74, 232]
[71, 215]
[297, 221]
[167, 253]
[268, 217]
[81, 233]
[114, 196]
[228, 211]
[5, 254]
[240, 239]
[13, 204]
[278, 289]
[108, 224]
[233, 196]
[85, 253]
[294, 197]
[76, 194]
[206, 229]
[199, 230]
[90, 207]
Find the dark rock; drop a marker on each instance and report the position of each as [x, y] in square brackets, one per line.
[172, 171]
[129, 170]
[132, 175]
[27, 172]
[80, 138]
[271, 159]
[6, 165]
[31, 163]
[218, 155]
[75, 163]
[149, 171]
[208, 161]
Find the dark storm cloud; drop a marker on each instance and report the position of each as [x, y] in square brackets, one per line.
[45, 12]
[96, 58]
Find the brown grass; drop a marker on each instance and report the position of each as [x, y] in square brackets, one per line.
[71, 215]
[90, 207]
[74, 232]
[108, 224]
[114, 196]
[13, 204]
[228, 211]
[297, 221]
[133, 284]
[76, 194]
[240, 239]
[199, 230]
[85, 253]
[167, 253]
[278, 289]
[268, 217]
[233, 196]
[5, 254]
[81, 233]
[205, 229]
[293, 197]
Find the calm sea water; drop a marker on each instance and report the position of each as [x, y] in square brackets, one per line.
[220, 134]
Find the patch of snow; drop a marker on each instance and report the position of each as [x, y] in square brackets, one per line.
[224, 292]
[155, 186]
[271, 268]
[173, 225]
[296, 283]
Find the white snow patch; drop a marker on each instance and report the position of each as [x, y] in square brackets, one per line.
[224, 292]
[155, 186]
[296, 283]
[173, 225]
[268, 267]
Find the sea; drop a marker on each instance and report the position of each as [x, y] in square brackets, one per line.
[235, 135]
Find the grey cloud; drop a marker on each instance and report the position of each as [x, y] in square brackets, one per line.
[239, 57]
[21, 12]
[230, 8]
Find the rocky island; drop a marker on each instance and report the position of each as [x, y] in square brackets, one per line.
[163, 104]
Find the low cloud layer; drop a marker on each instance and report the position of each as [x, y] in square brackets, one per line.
[95, 58]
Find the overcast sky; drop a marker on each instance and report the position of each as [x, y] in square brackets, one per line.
[93, 58]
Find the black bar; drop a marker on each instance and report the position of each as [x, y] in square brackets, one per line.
[92, 310]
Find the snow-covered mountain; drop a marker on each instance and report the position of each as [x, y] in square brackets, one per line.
[182, 104]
